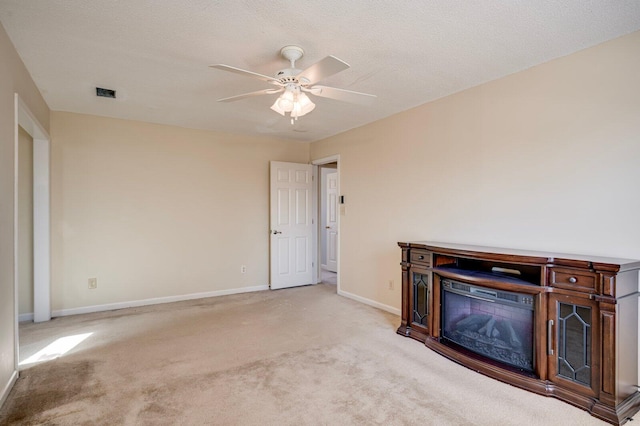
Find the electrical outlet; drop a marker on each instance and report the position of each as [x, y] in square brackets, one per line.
[243, 269]
[390, 284]
[93, 283]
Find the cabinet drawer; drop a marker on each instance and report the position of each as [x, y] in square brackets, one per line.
[420, 257]
[573, 279]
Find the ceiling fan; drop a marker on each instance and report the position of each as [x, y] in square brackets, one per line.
[294, 84]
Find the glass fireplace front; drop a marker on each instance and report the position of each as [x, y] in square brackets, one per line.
[493, 323]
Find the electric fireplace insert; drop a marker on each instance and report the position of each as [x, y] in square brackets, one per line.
[495, 324]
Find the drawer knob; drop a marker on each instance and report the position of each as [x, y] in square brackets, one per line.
[573, 280]
[421, 257]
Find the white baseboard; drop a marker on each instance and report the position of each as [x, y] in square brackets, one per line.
[192, 296]
[25, 317]
[155, 301]
[370, 302]
[7, 387]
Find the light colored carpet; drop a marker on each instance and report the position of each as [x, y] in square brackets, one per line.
[328, 277]
[301, 356]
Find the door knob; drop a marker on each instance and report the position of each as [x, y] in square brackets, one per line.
[327, 227]
[276, 232]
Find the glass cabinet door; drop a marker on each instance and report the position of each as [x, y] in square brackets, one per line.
[572, 332]
[420, 300]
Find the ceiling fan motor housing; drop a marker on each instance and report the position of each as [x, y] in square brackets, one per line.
[288, 76]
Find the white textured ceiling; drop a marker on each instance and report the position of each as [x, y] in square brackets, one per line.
[155, 54]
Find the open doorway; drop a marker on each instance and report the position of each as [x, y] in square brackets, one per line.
[328, 221]
[29, 131]
[32, 250]
[25, 226]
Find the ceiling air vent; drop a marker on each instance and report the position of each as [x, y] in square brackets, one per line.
[105, 93]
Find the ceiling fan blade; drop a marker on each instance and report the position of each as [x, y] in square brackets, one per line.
[322, 69]
[246, 73]
[251, 94]
[343, 95]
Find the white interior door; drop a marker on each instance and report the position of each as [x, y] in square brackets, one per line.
[291, 225]
[331, 229]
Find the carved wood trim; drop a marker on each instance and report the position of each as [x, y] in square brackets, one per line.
[608, 366]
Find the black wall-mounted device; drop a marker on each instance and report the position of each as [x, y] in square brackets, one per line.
[105, 93]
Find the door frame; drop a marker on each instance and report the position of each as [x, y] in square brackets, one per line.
[325, 211]
[317, 254]
[23, 117]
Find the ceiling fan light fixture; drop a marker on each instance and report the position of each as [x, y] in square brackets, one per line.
[294, 102]
[286, 101]
[305, 104]
[276, 107]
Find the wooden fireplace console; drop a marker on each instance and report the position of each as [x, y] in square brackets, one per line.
[585, 319]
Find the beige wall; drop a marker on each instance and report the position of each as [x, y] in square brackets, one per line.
[25, 222]
[155, 211]
[547, 159]
[13, 78]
